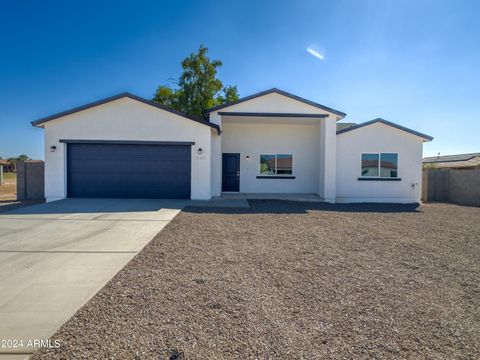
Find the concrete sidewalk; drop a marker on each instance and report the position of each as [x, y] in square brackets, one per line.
[54, 257]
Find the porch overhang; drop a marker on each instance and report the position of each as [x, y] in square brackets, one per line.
[269, 114]
[271, 118]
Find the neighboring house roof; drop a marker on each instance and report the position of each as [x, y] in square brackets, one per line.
[41, 121]
[448, 158]
[277, 91]
[374, 164]
[454, 161]
[282, 163]
[4, 162]
[388, 123]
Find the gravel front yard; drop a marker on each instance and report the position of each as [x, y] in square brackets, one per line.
[292, 280]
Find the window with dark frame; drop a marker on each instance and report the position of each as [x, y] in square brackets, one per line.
[379, 165]
[276, 165]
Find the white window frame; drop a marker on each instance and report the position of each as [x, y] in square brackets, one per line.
[276, 175]
[379, 164]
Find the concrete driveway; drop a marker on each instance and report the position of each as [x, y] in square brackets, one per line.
[54, 257]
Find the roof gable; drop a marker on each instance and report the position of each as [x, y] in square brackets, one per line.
[280, 92]
[40, 122]
[388, 123]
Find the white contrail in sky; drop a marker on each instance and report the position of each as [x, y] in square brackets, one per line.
[315, 53]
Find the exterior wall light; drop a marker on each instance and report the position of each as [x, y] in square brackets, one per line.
[200, 151]
[247, 157]
[53, 148]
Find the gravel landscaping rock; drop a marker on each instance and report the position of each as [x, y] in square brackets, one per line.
[295, 281]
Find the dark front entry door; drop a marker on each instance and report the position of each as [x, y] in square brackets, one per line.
[231, 172]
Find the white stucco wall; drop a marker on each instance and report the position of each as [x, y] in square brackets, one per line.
[302, 141]
[314, 173]
[126, 119]
[378, 138]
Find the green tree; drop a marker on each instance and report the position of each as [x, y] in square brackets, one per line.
[198, 86]
[12, 166]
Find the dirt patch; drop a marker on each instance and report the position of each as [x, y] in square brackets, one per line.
[8, 189]
[292, 280]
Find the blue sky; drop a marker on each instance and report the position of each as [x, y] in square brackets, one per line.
[416, 63]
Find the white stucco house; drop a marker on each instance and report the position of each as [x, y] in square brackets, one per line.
[270, 142]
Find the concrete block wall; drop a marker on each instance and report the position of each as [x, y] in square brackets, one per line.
[30, 180]
[457, 186]
[437, 185]
[464, 186]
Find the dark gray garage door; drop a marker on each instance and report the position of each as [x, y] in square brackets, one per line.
[128, 171]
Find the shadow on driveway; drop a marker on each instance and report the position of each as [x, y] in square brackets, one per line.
[298, 207]
[85, 206]
[9, 205]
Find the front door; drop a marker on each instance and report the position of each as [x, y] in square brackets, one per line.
[231, 172]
